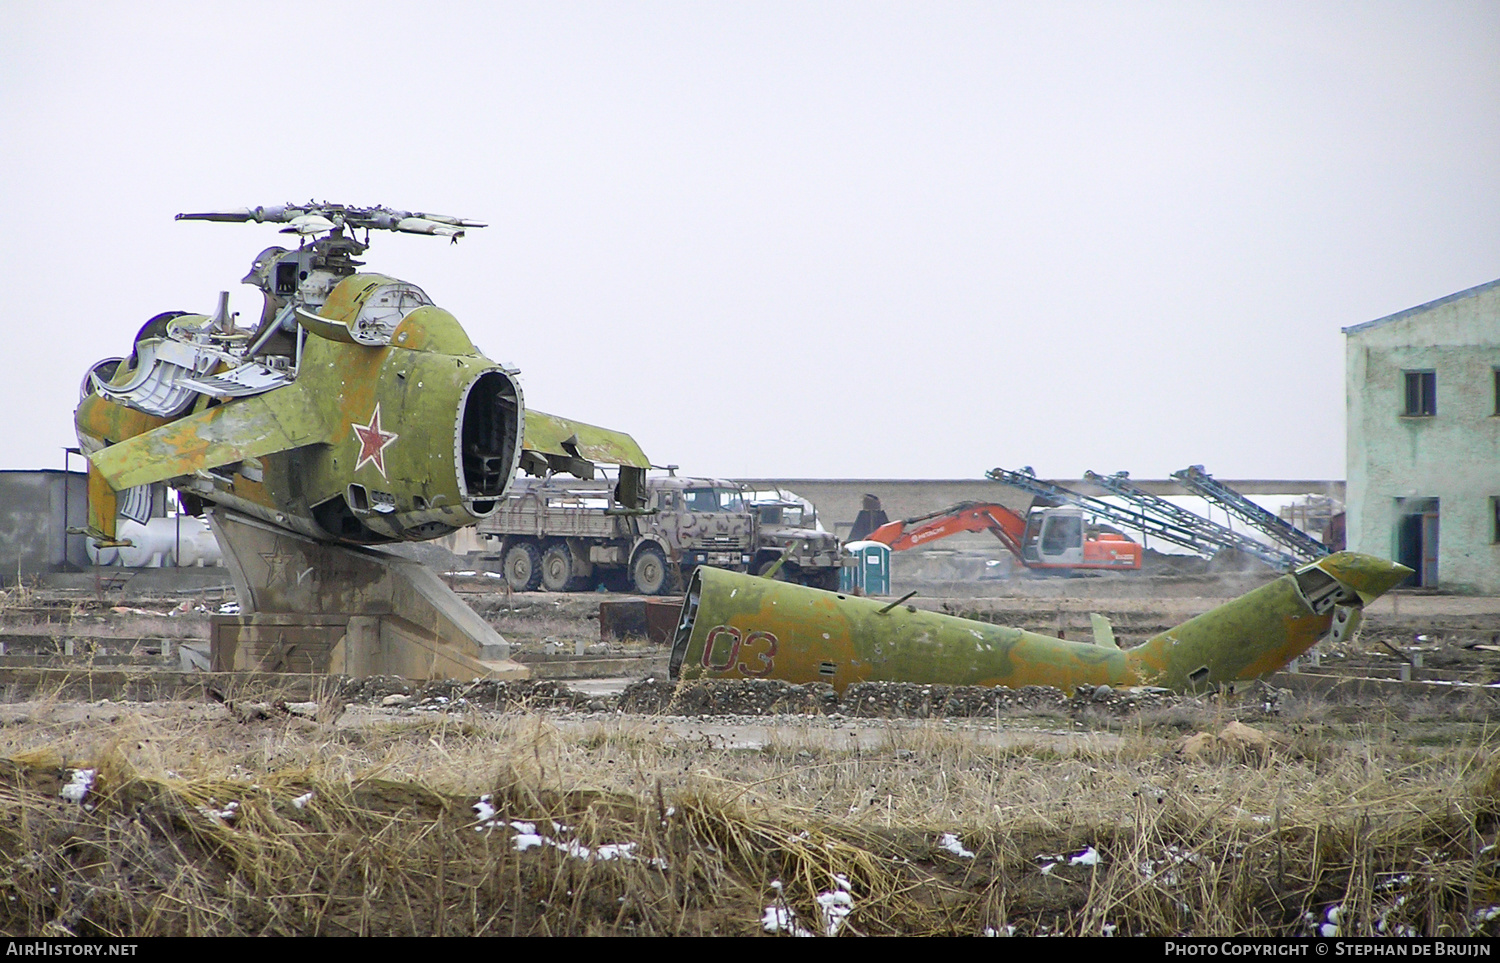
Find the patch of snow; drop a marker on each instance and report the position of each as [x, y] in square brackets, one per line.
[1164, 870]
[625, 851]
[79, 785]
[1383, 925]
[484, 812]
[1328, 926]
[780, 919]
[951, 843]
[835, 906]
[528, 838]
[228, 814]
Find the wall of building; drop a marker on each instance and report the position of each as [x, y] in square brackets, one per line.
[838, 499]
[1395, 460]
[36, 508]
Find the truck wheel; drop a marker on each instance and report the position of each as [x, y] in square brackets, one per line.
[783, 574]
[523, 567]
[649, 571]
[557, 568]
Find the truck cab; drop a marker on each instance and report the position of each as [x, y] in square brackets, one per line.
[788, 532]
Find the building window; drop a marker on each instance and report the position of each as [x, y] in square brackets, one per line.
[1421, 393]
[1497, 391]
[1495, 520]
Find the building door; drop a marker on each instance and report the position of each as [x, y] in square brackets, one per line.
[1429, 548]
[1417, 540]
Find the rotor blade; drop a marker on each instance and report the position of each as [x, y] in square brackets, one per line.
[422, 225]
[445, 219]
[237, 214]
[275, 213]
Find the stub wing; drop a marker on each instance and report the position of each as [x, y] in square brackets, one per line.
[552, 437]
[553, 444]
[276, 421]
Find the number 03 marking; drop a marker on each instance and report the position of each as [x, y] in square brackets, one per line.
[759, 646]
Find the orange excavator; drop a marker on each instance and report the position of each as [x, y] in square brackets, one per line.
[1047, 538]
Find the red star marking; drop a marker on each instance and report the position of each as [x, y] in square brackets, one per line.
[373, 442]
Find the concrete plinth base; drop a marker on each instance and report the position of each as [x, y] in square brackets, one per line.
[308, 606]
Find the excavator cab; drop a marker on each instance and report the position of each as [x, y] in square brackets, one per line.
[1054, 536]
[1061, 540]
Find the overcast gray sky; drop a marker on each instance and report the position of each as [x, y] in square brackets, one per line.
[801, 239]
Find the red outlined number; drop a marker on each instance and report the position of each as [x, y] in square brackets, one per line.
[757, 646]
[767, 656]
[713, 638]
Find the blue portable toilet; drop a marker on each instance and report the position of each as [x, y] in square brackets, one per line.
[871, 571]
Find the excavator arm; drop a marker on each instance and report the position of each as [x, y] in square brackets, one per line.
[1080, 546]
[1003, 523]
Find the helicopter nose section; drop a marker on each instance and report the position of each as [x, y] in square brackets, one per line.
[487, 442]
[1368, 575]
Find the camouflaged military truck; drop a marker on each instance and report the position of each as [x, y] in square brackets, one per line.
[561, 534]
[787, 524]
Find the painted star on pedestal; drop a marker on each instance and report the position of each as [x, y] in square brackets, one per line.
[278, 564]
[373, 442]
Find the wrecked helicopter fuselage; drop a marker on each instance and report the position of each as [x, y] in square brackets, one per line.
[736, 626]
[356, 413]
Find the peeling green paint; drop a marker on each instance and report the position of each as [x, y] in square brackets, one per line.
[552, 435]
[741, 626]
[250, 428]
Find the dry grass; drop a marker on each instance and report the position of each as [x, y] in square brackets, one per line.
[389, 843]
